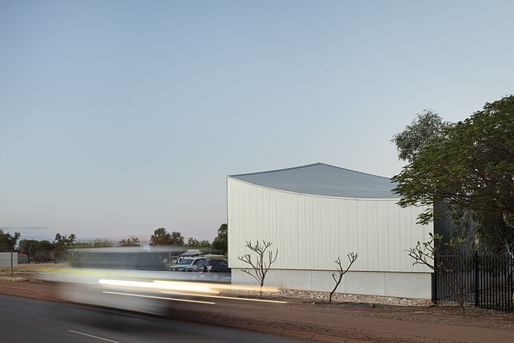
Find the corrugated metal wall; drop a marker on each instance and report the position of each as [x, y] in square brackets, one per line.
[5, 259]
[310, 232]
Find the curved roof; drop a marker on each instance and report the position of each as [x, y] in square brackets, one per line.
[323, 179]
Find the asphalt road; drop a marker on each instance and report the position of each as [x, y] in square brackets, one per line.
[28, 320]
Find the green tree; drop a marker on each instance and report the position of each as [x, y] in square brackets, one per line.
[163, 237]
[220, 243]
[29, 247]
[177, 238]
[192, 242]
[8, 241]
[37, 251]
[45, 251]
[428, 128]
[62, 243]
[195, 243]
[470, 167]
[132, 241]
[66, 241]
[204, 244]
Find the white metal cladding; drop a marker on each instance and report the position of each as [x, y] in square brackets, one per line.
[5, 259]
[311, 231]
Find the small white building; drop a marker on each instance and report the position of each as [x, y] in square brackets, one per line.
[317, 212]
[5, 259]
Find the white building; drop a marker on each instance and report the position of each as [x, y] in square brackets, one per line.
[317, 212]
[5, 259]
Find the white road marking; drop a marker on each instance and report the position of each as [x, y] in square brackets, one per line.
[161, 298]
[93, 336]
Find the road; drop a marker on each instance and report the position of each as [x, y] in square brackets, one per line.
[28, 320]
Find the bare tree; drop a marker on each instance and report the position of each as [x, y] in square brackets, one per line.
[261, 265]
[427, 253]
[338, 275]
[424, 253]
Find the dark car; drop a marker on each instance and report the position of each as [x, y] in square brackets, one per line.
[217, 266]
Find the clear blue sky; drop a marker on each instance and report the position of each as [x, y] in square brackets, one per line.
[118, 117]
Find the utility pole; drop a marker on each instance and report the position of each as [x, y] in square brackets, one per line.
[12, 267]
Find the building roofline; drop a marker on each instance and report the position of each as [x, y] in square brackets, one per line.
[308, 165]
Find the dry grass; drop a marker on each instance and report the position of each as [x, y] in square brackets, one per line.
[24, 272]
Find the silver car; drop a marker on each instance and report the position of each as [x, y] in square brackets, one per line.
[187, 264]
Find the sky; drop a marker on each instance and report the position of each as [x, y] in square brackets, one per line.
[119, 117]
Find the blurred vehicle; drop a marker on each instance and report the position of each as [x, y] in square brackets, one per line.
[133, 278]
[187, 264]
[213, 265]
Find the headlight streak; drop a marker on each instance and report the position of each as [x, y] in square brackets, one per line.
[210, 288]
[160, 298]
[220, 286]
[226, 297]
[160, 285]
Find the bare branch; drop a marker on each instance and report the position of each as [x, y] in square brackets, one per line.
[509, 249]
[260, 267]
[341, 271]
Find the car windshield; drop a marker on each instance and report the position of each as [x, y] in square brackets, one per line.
[185, 261]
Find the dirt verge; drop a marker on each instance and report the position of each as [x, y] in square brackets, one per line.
[341, 322]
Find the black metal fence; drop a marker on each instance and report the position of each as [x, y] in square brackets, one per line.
[485, 281]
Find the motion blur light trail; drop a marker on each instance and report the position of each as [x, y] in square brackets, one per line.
[162, 285]
[228, 298]
[185, 289]
[160, 298]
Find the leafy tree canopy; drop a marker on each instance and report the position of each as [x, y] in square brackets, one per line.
[38, 251]
[66, 241]
[194, 243]
[220, 243]
[132, 241]
[428, 128]
[8, 241]
[470, 166]
[163, 237]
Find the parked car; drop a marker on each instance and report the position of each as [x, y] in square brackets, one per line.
[187, 264]
[212, 265]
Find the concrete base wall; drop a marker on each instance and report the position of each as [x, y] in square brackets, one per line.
[406, 285]
[5, 259]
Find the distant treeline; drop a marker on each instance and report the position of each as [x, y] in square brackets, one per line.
[49, 251]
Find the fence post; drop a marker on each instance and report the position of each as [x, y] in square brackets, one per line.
[477, 283]
[434, 287]
[434, 282]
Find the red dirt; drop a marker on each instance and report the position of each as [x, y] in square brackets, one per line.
[330, 322]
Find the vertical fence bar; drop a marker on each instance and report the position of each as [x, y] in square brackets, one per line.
[434, 286]
[496, 283]
[499, 289]
[505, 282]
[486, 291]
[487, 281]
[475, 265]
[482, 276]
[510, 281]
[499, 284]
[482, 280]
[488, 269]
